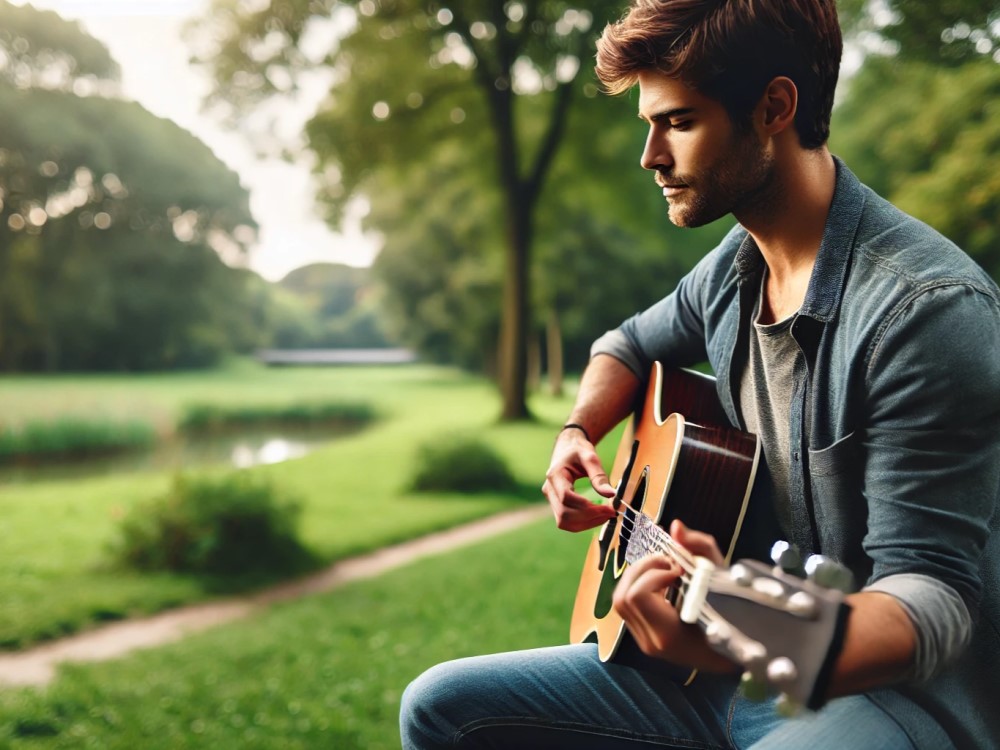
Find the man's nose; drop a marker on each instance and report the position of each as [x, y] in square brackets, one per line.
[656, 154]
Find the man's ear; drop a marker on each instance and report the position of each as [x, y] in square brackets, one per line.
[778, 105]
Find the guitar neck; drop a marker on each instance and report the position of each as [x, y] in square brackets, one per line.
[745, 609]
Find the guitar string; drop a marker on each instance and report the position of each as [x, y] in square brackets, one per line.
[662, 542]
[707, 615]
[659, 540]
[685, 558]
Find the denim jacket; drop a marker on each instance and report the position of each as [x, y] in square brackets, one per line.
[895, 420]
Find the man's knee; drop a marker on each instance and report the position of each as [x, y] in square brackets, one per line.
[425, 719]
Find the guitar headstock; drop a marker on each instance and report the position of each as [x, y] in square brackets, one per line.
[785, 631]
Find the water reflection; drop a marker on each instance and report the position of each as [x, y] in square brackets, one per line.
[240, 450]
[274, 451]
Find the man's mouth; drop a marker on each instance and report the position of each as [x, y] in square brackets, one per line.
[670, 188]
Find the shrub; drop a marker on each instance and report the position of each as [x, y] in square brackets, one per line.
[212, 417]
[461, 465]
[72, 437]
[232, 525]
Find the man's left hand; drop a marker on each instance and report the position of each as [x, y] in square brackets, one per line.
[640, 599]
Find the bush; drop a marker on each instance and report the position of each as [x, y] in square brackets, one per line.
[461, 465]
[72, 437]
[233, 525]
[212, 417]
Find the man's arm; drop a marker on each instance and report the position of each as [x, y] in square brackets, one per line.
[879, 642]
[607, 394]
[879, 645]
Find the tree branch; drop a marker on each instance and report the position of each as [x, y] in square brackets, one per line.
[557, 127]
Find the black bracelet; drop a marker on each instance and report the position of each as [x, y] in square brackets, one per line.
[575, 426]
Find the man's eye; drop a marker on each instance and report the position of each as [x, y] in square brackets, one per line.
[681, 125]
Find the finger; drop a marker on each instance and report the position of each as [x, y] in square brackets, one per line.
[571, 499]
[640, 599]
[573, 512]
[598, 477]
[696, 542]
[559, 491]
[651, 573]
[580, 519]
[561, 481]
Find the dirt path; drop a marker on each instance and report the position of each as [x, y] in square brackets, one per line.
[37, 666]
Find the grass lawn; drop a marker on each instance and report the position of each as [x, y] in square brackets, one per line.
[324, 672]
[53, 534]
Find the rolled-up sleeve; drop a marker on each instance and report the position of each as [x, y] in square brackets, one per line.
[941, 620]
[932, 460]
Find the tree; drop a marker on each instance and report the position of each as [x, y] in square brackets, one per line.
[941, 33]
[931, 145]
[339, 302]
[109, 244]
[43, 50]
[409, 76]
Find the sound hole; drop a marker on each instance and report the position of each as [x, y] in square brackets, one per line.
[624, 525]
[627, 521]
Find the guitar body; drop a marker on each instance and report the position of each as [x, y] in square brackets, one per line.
[689, 465]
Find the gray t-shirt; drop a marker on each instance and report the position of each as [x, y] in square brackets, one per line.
[766, 389]
[940, 618]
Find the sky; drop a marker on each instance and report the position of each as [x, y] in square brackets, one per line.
[144, 37]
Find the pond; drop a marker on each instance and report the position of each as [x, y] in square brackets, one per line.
[238, 449]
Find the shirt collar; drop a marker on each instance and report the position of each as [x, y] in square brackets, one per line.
[826, 286]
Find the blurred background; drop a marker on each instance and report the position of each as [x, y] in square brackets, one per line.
[285, 281]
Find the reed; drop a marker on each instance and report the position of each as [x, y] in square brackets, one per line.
[72, 437]
[201, 418]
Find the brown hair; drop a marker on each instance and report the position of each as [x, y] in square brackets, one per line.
[730, 50]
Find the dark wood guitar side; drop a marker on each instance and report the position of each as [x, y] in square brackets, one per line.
[689, 465]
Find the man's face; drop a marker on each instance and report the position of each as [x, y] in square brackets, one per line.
[706, 167]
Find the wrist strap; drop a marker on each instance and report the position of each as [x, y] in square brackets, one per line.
[575, 426]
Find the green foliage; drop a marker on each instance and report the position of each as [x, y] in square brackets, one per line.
[213, 417]
[448, 120]
[39, 45]
[54, 579]
[72, 437]
[461, 464]
[442, 272]
[111, 244]
[931, 145]
[326, 671]
[951, 32]
[329, 305]
[234, 525]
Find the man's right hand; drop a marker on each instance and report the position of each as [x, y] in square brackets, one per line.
[573, 458]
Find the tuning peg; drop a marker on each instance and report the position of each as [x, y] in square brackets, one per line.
[786, 556]
[781, 669]
[740, 574]
[828, 573]
[786, 707]
[752, 688]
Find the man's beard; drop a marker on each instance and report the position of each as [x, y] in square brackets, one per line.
[740, 180]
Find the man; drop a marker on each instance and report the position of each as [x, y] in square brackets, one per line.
[860, 345]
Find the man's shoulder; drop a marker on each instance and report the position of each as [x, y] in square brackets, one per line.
[910, 253]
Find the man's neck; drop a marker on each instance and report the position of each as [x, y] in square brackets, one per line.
[789, 230]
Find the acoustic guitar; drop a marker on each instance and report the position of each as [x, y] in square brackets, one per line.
[691, 465]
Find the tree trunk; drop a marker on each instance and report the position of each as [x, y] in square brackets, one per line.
[534, 363]
[514, 320]
[554, 350]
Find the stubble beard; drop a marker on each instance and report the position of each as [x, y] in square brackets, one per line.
[740, 181]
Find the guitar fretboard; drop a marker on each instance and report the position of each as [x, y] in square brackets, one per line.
[643, 537]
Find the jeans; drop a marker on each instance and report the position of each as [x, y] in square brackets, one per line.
[565, 697]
